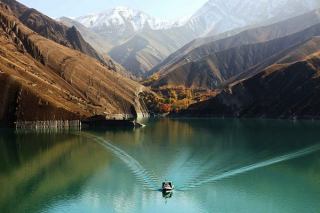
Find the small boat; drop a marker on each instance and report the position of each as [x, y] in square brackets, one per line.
[167, 186]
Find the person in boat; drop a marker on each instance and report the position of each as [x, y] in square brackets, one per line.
[167, 185]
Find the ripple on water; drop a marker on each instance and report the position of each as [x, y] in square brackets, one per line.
[188, 172]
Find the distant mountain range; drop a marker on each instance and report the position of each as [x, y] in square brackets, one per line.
[218, 16]
[134, 39]
[213, 62]
[143, 41]
[121, 19]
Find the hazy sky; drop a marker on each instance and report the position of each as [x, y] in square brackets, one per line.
[166, 9]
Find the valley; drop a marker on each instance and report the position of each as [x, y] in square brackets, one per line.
[124, 63]
[159, 106]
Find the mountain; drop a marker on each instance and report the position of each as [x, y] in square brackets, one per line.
[94, 39]
[207, 45]
[289, 88]
[51, 29]
[138, 41]
[210, 64]
[120, 23]
[98, 43]
[138, 54]
[43, 80]
[145, 41]
[148, 48]
[218, 16]
[68, 36]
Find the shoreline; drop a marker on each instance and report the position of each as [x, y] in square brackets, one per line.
[94, 122]
[100, 122]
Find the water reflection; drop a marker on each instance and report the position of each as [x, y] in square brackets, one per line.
[262, 166]
[147, 179]
[233, 144]
[44, 168]
[167, 195]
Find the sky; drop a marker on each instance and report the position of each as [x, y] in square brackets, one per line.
[164, 9]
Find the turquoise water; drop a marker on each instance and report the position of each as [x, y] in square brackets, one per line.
[216, 166]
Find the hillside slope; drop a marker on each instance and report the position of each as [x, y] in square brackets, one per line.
[287, 89]
[95, 40]
[147, 49]
[43, 80]
[98, 43]
[51, 29]
[212, 70]
[201, 47]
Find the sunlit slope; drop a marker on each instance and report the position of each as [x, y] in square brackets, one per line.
[44, 80]
[51, 29]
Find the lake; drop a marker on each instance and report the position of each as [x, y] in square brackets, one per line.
[216, 165]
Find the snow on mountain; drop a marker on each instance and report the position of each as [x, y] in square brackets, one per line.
[218, 15]
[138, 38]
[124, 17]
[224, 15]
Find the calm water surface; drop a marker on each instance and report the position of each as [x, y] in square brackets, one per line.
[216, 166]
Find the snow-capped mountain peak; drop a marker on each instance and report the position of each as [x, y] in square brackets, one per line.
[125, 17]
[216, 16]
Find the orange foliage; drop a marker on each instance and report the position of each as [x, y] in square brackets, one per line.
[165, 108]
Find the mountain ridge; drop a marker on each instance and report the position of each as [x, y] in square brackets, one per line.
[238, 49]
[119, 15]
[44, 80]
[254, 34]
[49, 28]
[120, 27]
[286, 89]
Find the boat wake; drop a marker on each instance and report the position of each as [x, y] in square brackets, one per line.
[218, 177]
[187, 172]
[148, 180]
[188, 167]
